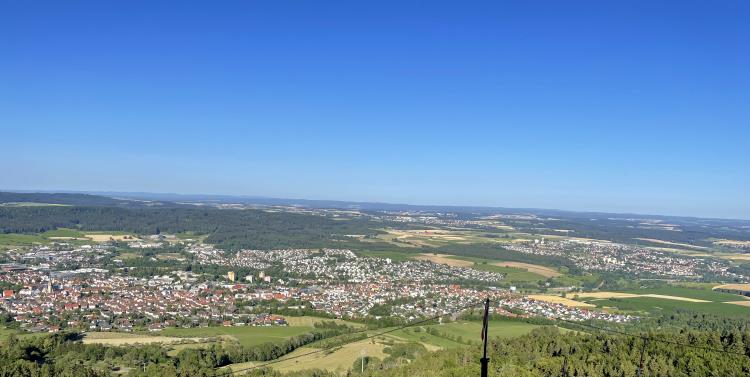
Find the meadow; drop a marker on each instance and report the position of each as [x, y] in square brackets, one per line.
[657, 306]
[63, 232]
[13, 239]
[246, 335]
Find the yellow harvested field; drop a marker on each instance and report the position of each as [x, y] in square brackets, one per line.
[430, 235]
[735, 256]
[444, 259]
[107, 237]
[560, 300]
[736, 287]
[604, 295]
[119, 339]
[741, 303]
[311, 321]
[535, 268]
[733, 243]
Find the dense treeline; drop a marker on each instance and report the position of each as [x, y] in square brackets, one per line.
[64, 355]
[55, 355]
[228, 228]
[64, 199]
[692, 231]
[681, 318]
[548, 352]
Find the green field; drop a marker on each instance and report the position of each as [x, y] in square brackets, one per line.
[700, 294]
[693, 285]
[392, 254]
[246, 335]
[190, 235]
[512, 275]
[310, 321]
[6, 332]
[63, 232]
[657, 306]
[421, 336]
[20, 334]
[13, 239]
[9, 240]
[471, 330]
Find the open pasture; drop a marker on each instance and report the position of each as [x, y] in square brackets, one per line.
[515, 271]
[561, 300]
[121, 339]
[104, 237]
[512, 275]
[443, 237]
[734, 287]
[544, 271]
[658, 306]
[444, 259]
[732, 243]
[308, 321]
[471, 330]
[63, 233]
[13, 239]
[247, 335]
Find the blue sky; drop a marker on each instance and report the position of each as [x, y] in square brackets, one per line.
[629, 106]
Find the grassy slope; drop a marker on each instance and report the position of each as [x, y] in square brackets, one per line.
[341, 359]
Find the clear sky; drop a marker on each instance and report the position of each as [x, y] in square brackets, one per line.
[624, 106]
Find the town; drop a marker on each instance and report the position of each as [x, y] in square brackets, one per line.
[333, 282]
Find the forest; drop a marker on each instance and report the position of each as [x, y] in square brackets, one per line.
[227, 228]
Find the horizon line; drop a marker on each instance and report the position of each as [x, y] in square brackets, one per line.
[248, 196]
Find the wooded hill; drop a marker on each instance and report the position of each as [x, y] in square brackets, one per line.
[230, 229]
